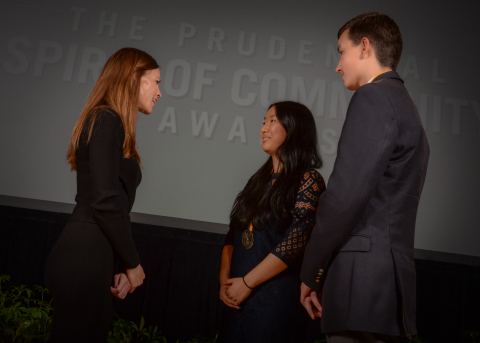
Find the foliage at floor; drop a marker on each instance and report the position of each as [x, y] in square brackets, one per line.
[26, 316]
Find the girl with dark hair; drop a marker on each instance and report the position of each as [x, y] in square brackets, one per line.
[80, 267]
[270, 225]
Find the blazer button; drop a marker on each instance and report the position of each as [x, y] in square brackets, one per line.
[317, 281]
[320, 270]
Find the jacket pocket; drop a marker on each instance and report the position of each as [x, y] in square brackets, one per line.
[356, 243]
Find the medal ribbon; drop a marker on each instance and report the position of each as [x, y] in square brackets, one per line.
[377, 76]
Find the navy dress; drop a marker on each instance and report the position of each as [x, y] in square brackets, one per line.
[79, 270]
[273, 312]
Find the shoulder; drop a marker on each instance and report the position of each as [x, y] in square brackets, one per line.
[372, 89]
[382, 89]
[107, 128]
[371, 103]
[109, 116]
[312, 179]
[312, 174]
[107, 120]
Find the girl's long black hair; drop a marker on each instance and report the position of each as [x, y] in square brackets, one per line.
[297, 153]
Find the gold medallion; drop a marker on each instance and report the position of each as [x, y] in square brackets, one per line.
[247, 239]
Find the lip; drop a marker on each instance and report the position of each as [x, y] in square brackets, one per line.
[264, 139]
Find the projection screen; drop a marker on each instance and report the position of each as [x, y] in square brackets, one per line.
[222, 64]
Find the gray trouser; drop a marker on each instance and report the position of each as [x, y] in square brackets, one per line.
[359, 337]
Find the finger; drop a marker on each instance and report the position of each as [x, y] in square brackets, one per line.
[316, 301]
[226, 300]
[125, 285]
[232, 306]
[116, 280]
[237, 301]
[122, 280]
[308, 307]
[228, 282]
[304, 291]
[114, 290]
[229, 301]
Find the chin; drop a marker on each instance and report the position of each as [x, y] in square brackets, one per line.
[268, 151]
[147, 112]
[352, 87]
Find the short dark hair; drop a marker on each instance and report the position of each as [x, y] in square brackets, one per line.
[382, 32]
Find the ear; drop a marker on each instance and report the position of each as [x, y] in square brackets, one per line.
[367, 49]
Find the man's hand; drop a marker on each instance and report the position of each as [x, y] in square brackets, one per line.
[237, 290]
[311, 301]
[121, 286]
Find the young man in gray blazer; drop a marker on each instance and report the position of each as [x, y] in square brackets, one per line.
[358, 271]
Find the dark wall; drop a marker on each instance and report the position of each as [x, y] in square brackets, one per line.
[180, 293]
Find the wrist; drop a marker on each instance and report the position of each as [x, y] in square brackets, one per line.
[246, 284]
[250, 280]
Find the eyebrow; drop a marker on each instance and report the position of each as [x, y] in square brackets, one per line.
[271, 115]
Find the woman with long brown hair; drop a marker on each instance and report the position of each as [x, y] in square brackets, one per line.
[80, 268]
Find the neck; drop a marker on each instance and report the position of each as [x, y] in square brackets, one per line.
[276, 164]
[373, 71]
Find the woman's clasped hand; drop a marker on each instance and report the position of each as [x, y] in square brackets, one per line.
[237, 290]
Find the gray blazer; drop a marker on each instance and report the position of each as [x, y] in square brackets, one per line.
[360, 254]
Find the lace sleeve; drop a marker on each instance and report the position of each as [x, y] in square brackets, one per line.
[298, 233]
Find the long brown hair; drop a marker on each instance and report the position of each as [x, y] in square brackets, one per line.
[117, 88]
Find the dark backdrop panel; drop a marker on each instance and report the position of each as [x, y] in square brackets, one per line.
[180, 293]
[448, 300]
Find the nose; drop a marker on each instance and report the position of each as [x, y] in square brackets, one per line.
[338, 69]
[159, 95]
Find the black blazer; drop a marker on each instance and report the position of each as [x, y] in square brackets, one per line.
[106, 184]
[360, 254]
